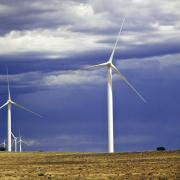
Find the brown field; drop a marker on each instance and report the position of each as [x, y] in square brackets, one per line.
[46, 165]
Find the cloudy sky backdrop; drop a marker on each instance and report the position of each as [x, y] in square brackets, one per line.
[46, 44]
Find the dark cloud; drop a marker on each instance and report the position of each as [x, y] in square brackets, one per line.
[25, 15]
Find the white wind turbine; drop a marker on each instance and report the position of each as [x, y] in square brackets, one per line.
[20, 142]
[4, 144]
[9, 103]
[15, 142]
[109, 65]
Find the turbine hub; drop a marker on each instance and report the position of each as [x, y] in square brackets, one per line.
[109, 64]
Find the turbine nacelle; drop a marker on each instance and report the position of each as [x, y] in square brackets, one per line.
[9, 101]
[109, 64]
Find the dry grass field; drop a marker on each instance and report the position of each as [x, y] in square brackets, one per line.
[45, 165]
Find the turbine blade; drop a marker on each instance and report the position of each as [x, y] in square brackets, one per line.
[9, 93]
[4, 105]
[24, 142]
[115, 45]
[13, 135]
[97, 65]
[19, 134]
[13, 142]
[28, 110]
[128, 83]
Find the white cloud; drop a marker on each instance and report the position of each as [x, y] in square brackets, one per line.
[22, 79]
[73, 78]
[31, 142]
[62, 28]
[54, 79]
[159, 62]
[4, 9]
[83, 10]
[59, 41]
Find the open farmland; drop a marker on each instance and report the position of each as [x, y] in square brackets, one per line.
[51, 165]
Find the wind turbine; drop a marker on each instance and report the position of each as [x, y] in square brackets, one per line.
[20, 142]
[9, 103]
[110, 66]
[4, 144]
[15, 142]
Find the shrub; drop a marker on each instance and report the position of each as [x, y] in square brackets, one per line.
[161, 148]
[40, 174]
[2, 149]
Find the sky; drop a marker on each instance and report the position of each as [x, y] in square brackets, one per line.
[47, 44]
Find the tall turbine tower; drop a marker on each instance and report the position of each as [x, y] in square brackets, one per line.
[9, 103]
[110, 66]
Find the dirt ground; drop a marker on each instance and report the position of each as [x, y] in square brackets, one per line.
[52, 165]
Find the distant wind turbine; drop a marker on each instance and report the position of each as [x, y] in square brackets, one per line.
[9, 103]
[20, 142]
[4, 144]
[15, 142]
[110, 66]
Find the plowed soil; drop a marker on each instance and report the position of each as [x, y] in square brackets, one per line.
[51, 165]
